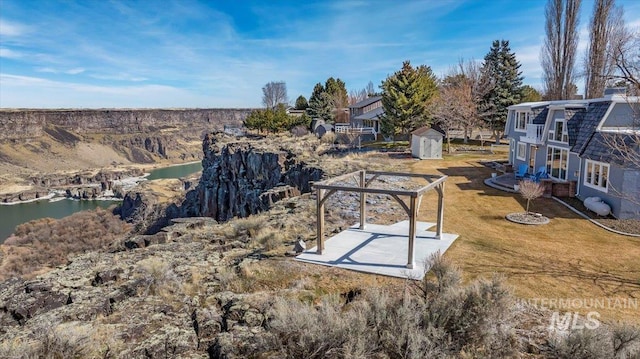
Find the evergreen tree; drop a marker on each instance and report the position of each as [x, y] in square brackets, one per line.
[301, 103]
[405, 96]
[320, 104]
[337, 89]
[274, 119]
[530, 94]
[501, 72]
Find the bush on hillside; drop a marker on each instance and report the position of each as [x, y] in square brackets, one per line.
[45, 243]
[476, 320]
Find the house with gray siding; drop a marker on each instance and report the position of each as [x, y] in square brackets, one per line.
[573, 140]
[366, 114]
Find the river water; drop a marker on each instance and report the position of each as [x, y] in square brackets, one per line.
[13, 215]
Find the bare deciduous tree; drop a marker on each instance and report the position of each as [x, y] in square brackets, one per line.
[624, 49]
[530, 190]
[274, 93]
[460, 94]
[606, 21]
[559, 50]
[356, 96]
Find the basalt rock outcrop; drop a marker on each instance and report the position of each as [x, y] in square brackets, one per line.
[83, 185]
[243, 178]
[18, 124]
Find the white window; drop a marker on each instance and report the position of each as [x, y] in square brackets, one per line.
[522, 151]
[522, 119]
[559, 132]
[596, 175]
[557, 162]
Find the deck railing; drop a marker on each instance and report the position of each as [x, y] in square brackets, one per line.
[355, 130]
[534, 134]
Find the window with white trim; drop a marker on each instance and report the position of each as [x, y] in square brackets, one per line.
[522, 119]
[521, 154]
[557, 162]
[559, 132]
[596, 175]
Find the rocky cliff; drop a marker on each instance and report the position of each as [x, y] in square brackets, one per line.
[20, 124]
[36, 142]
[243, 178]
[83, 185]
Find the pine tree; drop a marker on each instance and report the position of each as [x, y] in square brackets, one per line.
[501, 71]
[337, 89]
[320, 104]
[301, 103]
[405, 96]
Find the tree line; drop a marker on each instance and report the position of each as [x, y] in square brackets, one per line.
[612, 57]
[477, 94]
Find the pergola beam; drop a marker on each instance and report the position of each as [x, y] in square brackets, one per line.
[327, 188]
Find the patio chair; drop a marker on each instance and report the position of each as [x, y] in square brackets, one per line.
[542, 173]
[522, 171]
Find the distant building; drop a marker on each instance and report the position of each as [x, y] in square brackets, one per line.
[426, 142]
[366, 114]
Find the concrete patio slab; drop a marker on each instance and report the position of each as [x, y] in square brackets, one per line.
[380, 249]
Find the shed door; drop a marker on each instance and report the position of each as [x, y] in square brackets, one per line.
[435, 148]
[426, 148]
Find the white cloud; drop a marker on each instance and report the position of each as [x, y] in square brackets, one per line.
[75, 71]
[119, 77]
[12, 29]
[34, 92]
[10, 54]
[47, 70]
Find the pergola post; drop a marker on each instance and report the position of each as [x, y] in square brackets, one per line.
[363, 199]
[320, 220]
[413, 216]
[440, 190]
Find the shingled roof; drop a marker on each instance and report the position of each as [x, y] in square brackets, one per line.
[366, 102]
[574, 117]
[594, 114]
[612, 148]
[540, 115]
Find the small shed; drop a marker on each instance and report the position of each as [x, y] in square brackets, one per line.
[426, 142]
[323, 129]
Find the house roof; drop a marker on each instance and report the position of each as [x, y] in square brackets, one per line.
[574, 117]
[612, 148]
[425, 129]
[371, 115]
[540, 115]
[528, 105]
[588, 124]
[366, 102]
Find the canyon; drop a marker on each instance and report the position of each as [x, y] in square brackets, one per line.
[44, 150]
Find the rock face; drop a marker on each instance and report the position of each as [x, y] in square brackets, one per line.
[20, 124]
[84, 185]
[243, 178]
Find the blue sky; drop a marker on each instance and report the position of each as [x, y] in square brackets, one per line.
[152, 53]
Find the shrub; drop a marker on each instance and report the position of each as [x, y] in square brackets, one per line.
[157, 277]
[45, 243]
[268, 238]
[603, 342]
[451, 320]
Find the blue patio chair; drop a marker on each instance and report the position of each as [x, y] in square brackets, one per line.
[542, 173]
[522, 171]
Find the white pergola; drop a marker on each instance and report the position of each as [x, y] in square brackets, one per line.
[362, 180]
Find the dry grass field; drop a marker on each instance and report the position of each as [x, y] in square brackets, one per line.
[569, 258]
